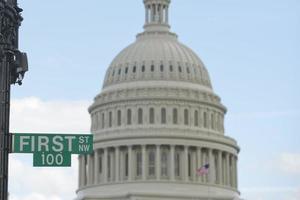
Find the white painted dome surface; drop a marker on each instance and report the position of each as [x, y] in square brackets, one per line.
[169, 59]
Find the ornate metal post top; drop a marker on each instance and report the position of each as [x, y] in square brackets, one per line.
[10, 21]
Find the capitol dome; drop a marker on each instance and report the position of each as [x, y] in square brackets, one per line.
[157, 56]
[156, 122]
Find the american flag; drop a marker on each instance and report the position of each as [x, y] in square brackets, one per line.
[203, 170]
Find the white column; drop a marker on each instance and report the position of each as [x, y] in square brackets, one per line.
[220, 174]
[96, 166]
[146, 14]
[167, 14]
[144, 163]
[157, 162]
[172, 162]
[236, 172]
[227, 170]
[232, 171]
[130, 163]
[160, 13]
[104, 164]
[84, 172]
[121, 163]
[194, 168]
[112, 166]
[185, 164]
[211, 166]
[204, 162]
[117, 164]
[80, 181]
[90, 169]
[199, 162]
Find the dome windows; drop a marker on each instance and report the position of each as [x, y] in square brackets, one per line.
[164, 162]
[119, 118]
[186, 117]
[177, 163]
[129, 120]
[151, 162]
[140, 116]
[188, 73]
[196, 118]
[161, 68]
[205, 120]
[179, 69]
[151, 116]
[138, 163]
[175, 116]
[188, 70]
[110, 119]
[163, 116]
[159, 116]
[152, 68]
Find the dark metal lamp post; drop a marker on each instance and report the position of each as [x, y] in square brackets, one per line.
[13, 65]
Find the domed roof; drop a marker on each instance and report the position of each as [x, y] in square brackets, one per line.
[157, 55]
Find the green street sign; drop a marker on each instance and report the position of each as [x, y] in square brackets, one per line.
[52, 150]
[48, 159]
[32, 143]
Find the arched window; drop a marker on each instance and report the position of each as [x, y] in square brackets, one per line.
[129, 117]
[138, 163]
[196, 118]
[152, 68]
[103, 120]
[186, 117]
[110, 119]
[171, 68]
[143, 68]
[161, 68]
[140, 116]
[175, 116]
[177, 163]
[134, 69]
[219, 122]
[164, 163]
[96, 121]
[126, 70]
[151, 162]
[188, 70]
[151, 116]
[163, 116]
[119, 118]
[119, 71]
[212, 120]
[205, 119]
[179, 69]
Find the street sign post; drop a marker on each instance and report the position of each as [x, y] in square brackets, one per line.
[52, 150]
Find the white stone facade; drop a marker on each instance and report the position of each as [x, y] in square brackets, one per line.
[155, 122]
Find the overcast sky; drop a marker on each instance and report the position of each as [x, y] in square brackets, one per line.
[250, 48]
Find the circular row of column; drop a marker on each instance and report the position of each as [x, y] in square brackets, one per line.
[157, 162]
